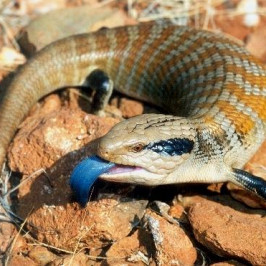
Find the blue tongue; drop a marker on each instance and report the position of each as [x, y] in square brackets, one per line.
[85, 174]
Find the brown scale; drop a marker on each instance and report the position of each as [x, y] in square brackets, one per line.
[149, 52]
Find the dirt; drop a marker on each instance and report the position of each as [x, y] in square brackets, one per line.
[219, 224]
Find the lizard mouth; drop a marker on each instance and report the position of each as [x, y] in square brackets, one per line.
[87, 171]
[122, 169]
[127, 174]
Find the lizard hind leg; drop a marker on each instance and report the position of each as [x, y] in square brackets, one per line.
[250, 182]
[103, 86]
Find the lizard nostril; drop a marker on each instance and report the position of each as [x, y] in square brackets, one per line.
[102, 152]
[105, 154]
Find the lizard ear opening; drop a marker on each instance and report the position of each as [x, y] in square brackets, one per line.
[251, 182]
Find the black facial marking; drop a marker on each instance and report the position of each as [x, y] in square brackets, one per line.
[172, 147]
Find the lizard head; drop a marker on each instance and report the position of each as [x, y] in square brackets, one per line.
[158, 149]
[147, 149]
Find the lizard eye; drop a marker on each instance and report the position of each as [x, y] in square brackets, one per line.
[137, 147]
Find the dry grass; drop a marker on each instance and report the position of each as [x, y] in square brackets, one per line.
[201, 12]
[180, 11]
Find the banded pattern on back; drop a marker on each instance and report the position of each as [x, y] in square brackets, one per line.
[192, 73]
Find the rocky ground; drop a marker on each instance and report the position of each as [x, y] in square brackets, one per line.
[217, 224]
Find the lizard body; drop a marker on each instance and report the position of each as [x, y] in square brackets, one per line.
[215, 90]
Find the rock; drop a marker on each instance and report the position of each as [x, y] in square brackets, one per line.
[42, 6]
[62, 23]
[17, 255]
[46, 136]
[255, 166]
[41, 255]
[70, 227]
[233, 26]
[246, 197]
[257, 163]
[256, 43]
[129, 108]
[7, 233]
[228, 263]
[79, 259]
[136, 249]
[177, 211]
[172, 244]
[21, 259]
[48, 142]
[233, 231]
[10, 59]
[215, 187]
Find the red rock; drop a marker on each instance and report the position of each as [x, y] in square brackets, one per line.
[256, 43]
[99, 224]
[46, 137]
[172, 244]
[177, 211]
[228, 263]
[255, 166]
[48, 140]
[41, 255]
[21, 260]
[135, 248]
[7, 233]
[215, 187]
[50, 103]
[79, 259]
[230, 231]
[129, 108]
[246, 197]
[232, 25]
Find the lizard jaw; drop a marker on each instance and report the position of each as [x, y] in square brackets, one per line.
[131, 174]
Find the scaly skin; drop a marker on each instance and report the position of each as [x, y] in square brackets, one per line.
[217, 89]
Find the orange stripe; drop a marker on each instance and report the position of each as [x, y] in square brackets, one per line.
[256, 102]
[259, 81]
[241, 56]
[164, 69]
[150, 51]
[243, 123]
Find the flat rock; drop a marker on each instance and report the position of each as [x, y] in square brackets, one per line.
[173, 246]
[79, 259]
[99, 224]
[233, 231]
[135, 249]
[7, 233]
[62, 23]
[51, 132]
[257, 42]
[129, 108]
[177, 211]
[228, 263]
[41, 255]
[21, 259]
[245, 196]
[48, 139]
